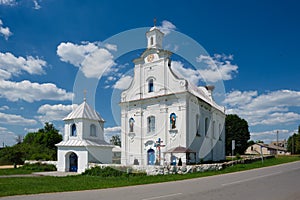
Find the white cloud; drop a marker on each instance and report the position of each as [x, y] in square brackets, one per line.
[12, 65]
[272, 108]
[187, 73]
[7, 138]
[110, 131]
[4, 30]
[269, 136]
[123, 83]
[166, 27]
[4, 108]
[92, 59]
[31, 130]
[217, 68]
[36, 5]
[12, 119]
[7, 2]
[30, 92]
[54, 112]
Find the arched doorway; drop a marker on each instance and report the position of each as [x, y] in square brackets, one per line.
[151, 157]
[73, 162]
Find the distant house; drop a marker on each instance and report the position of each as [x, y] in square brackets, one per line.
[266, 149]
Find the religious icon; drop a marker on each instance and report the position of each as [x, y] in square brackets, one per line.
[173, 120]
[131, 124]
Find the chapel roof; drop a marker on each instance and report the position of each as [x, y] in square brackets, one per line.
[85, 143]
[84, 111]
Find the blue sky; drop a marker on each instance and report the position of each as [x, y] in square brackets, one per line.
[46, 44]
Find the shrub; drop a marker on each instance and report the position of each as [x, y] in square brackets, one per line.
[39, 167]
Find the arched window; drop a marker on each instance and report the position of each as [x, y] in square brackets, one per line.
[197, 125]
[93, 130]
[151, 41]
[150, 85]
[73, 130]
[206, 126]
[151, 124]
[173, 120]
[131, 125]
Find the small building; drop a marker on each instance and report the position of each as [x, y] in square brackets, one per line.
[116, 159]
[266, 149]
[83, 141]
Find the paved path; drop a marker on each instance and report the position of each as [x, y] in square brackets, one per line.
[280, 182]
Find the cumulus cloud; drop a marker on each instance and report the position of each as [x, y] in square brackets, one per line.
[166, 27]
[54, 112]
[30, 92]
[4, 108]
[265, 109]
[110, 131]
[11, 65]
[4, 31]
[92, 59]
[217, 68]
[7, 137]
[11, 119]
[7, 2]
[269, 136]
[123, 83]
[36, 5]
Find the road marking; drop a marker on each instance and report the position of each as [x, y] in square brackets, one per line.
[163, 196]
[250, 179]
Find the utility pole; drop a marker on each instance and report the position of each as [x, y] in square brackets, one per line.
[277, 142]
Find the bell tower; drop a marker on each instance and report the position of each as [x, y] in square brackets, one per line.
[154, 37]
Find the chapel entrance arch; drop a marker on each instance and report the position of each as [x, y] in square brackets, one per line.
[73, 160]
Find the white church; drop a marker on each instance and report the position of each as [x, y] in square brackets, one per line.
[165, 118]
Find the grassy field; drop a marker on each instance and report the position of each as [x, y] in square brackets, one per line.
[34, 185]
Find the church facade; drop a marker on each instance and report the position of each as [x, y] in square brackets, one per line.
[83, 141]
[165, 118]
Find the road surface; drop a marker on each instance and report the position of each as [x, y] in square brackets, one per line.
[276, 183]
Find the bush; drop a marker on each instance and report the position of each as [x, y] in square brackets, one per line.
[103, 172]
[39, 167]
[110, 172]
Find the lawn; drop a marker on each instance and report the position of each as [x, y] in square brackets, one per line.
[34, 185]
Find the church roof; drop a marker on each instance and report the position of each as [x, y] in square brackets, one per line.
[85, 143]
[84, 111]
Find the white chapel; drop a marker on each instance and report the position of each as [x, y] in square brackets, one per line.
[165, 118]
[83, 141]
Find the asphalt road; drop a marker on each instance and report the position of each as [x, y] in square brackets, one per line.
[276, 183]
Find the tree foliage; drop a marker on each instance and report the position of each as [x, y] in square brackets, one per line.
[236, 129]
[38, 145]
[115, 140]
[294, 143]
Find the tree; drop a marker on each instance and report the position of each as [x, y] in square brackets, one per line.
[115, 140]
[236, 129]
[294, 143]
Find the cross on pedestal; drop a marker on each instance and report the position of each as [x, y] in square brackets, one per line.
[158, 144]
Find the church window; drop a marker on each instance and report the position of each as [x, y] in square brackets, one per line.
[173, 120]
[73, 130]
[131, 125]
[150, 85]
[151, 41]
[197, 125]
[151, 124]
[93, 130]
[206, 126]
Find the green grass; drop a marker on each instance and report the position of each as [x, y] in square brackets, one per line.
[33, 185]
[27, 169]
